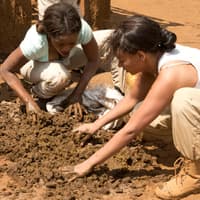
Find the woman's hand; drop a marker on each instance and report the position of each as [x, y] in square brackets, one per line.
[83, 169]
[89, 129]
[77, 171]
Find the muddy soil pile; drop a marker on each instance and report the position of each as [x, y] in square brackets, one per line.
[32, 148]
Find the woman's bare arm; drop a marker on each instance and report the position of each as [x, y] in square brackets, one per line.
[159, 96]
[7, 71]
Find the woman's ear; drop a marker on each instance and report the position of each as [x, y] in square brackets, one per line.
[141, 55]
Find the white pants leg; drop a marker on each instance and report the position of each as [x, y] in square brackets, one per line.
[111, 63]
[48, 78]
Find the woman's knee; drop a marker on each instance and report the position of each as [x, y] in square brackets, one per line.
[185, 119]
[181, 101]
[58, 76]
[54, 79]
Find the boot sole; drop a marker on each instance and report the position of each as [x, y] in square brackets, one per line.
[196, 191]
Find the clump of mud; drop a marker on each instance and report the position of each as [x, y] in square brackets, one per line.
[37, 146]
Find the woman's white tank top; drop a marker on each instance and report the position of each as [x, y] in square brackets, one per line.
[181, 55]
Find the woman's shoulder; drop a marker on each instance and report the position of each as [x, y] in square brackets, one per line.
[34, 44]
[36, 38]
[179, 53]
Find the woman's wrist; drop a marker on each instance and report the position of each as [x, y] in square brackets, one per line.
[90, 162]
[98, 124]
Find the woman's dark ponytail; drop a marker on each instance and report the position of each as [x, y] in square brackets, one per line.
[141, 33]
[168, 40]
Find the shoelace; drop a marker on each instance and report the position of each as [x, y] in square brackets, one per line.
[179, 163]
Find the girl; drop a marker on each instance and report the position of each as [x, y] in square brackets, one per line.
[53, 50]
[168, 74]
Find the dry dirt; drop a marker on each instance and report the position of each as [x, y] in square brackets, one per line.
[32, 148]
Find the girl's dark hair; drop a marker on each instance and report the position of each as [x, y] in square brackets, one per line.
[141, 33]
[59, 19]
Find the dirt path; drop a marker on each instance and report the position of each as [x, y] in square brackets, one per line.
[182, 17]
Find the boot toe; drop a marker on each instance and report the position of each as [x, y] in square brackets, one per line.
[162, 192]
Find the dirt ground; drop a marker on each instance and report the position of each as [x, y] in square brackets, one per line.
[32, 148]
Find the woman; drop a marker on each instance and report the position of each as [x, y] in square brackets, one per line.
[53, 48]
[168, 74]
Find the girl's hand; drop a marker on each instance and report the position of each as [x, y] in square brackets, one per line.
[77, 109]
[32, 107]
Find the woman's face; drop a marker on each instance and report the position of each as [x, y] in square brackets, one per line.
[132, 63]
[64, 43]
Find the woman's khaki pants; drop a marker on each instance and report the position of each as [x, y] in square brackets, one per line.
[184, 119]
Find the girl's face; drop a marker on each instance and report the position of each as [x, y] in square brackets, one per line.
[64, 43]
[132, 63]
